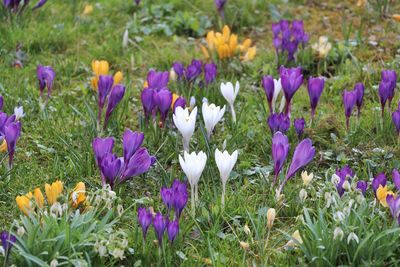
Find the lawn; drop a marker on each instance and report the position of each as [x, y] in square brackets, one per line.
[338, 223]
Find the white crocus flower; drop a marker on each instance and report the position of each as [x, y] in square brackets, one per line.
[192, 102]
[322, 47]
[212, 114]
[230, 94]
[185, 122]
[19, 112]
[225, 164]
[193, 165]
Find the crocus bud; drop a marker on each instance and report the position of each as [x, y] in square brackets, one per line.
[116, 95]
[349, 100]
[396, 120]
[315, 88]
[212, 114]
[144, 219]
[210, 72]
[173, 230]
[270, 217]
[299, 126]
[160, 223]
[269, 87]
[303, 195]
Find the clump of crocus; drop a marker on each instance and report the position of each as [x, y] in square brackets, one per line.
[278, 122]
[185, 121]
[212, 114]
[390, 77]
[280, 150]
[230, 94]
[193, 165]
[291, 80]
[114, 170]
[220, 4]
[101, 67]
[225, 45]
[393, 203]
[175, 197]
[17, 6]
[344, 174]
[299, 126]
[322, 47]
[349, 101]
[315, 88]
[288, 36]
[272, 88]
[193, 72]
[225, 164]
[108, 92]
[45, 75]
[303, 154]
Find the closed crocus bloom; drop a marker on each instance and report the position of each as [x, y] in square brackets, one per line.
[178, 69]
[344, 174]
[349, 100]
[1, 102]
[359, 89]
[379, 180]
[45, 75]
[37, 193]
[307, 178]
[12, 134]
[396, 120]
[24, 203]
[116, 95]
[193, 165]
[100, 67]
[396, 178]
[163, 100]
[299, 126]
[230, 94]
[102, 147]
[315, 88]
[157, 80]
[7, 241]
[78, 195]
[220, 4]
[145, 218]
[291, 80]
[212, 114]
[269, 88]
[225, 164]
[160, 223]
[53, 191]
[384, 92]
[193, 70]
[393, 203]
[210, 72]
[280, 150]
[148, 101]
[185, 122]
[111, 167]
[173, 230]
[167, 196]
[180, 197]
[362, 186]
[390, 76]
[118, 76]
[271, 213]
[303, 154]
[104, 87]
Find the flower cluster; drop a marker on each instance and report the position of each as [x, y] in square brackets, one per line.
[278, 122]
[136, 160]
[225, 44]
[102, 67]
[352, 98]
[387, 88]
[193, 71]
[288, 36]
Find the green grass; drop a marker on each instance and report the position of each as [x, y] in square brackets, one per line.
[56, 141]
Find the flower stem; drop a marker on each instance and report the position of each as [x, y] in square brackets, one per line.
[192, 200]
[223, 195]
[233, 114]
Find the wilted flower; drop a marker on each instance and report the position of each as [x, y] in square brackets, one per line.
[271, 213]
[87, 9]
[185, 122]
[225, 164]
[295, 240]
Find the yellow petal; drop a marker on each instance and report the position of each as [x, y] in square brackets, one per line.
[233, 43]
[250, 54]
[226, 32]
[53, 191]
[210, 39]
[103, 68]
[87, 10]
[95, 66]
[24, 204]
[78, 195]
[205, 51]
[246, 44]
[174, 98]
[94, 82]
[396, 17]
[37, 193]
[118, 77]
[3, 146]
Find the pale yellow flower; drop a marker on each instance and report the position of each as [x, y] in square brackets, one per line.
[87, 10]
[307, 178]
[271, 213]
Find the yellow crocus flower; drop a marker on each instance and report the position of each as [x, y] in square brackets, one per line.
[24, 203]
[37, 193]
[233, 43]
[3, 146]
[78, 196]
[87, 10]
[210, 39]
[381, 193]
[226, 33]
[118, 76]
[250, 54]
[100, 67]
[53, 191]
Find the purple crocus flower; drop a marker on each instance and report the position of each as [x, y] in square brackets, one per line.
[396, 120]
[137, 2]
[378, 180]
[7, 241]
[12, 133]
[278, 122]
[315, 88]
[102, 147]
[349, 100]
[269, 89]
[179, 102]
[138, 164]
[291, 80]
[344, 174]
[359, 89]
[180, 197]
[160, 224]
[148, 101]
[384, 92]
[394, 206]
[210, 72]
[163, 100]
[116, 95]
[167, 195]
[193, 70]
[396, 178]
[220, 4]
[303, 154]
[131, 141]
[173, 230]
[45, 75]
[145, 218]
[39, 4]
[157, 79]
[104, 87]
[362, 186]
[179, 69]
[390, 77]
[280, 150]
[299, 126]
[111, 167]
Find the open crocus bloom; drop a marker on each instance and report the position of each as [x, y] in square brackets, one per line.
[185, 122]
